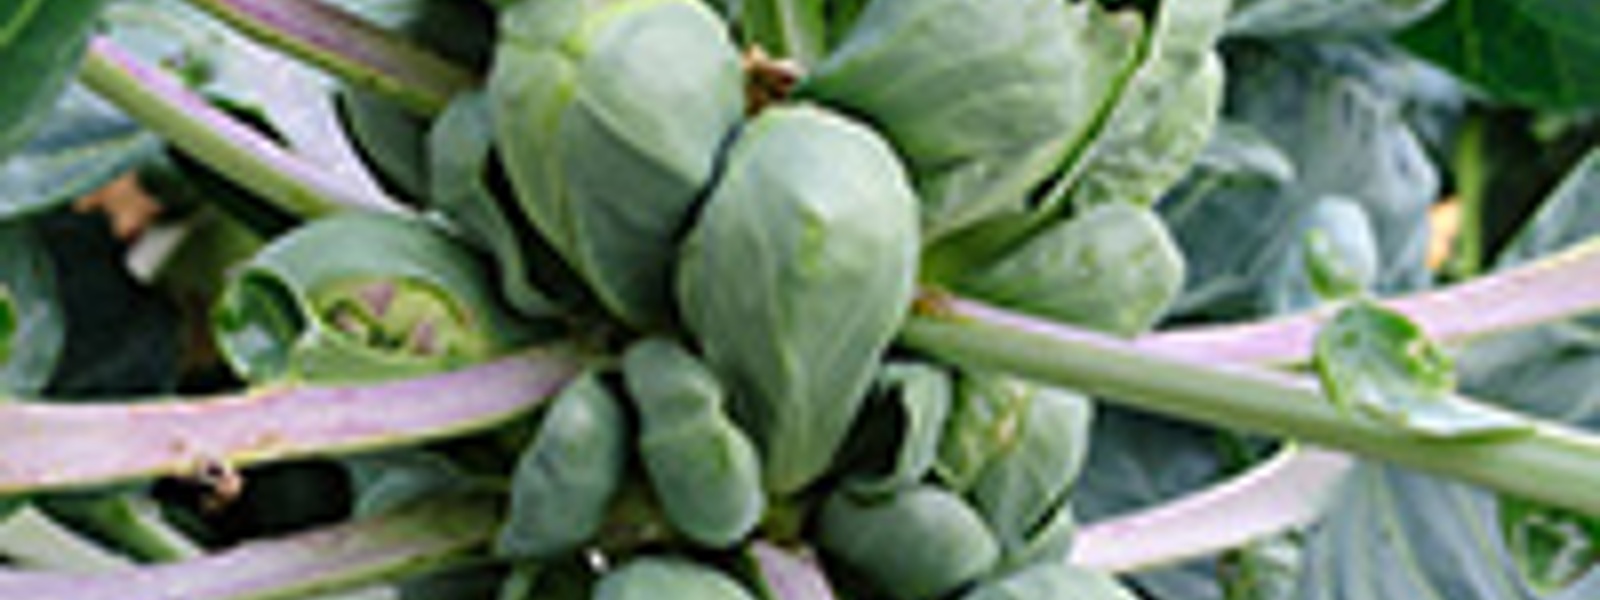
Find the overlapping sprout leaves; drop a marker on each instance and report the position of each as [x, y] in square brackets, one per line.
[741, 327]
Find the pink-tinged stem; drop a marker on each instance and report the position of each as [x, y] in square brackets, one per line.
[409, 541]
[51, 446]
[1285, 493]
[346, 46]
[1560, 287]
[162, 104]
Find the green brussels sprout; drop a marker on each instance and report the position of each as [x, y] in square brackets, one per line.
[653, 578]
[796, 278]
[566, 479]
[917, 544]
[984, 99]
[362, 297]
[610, 119]
[1114, 268]
[1052, 580]
[1021, 488]
[704, 470]
[986, 422]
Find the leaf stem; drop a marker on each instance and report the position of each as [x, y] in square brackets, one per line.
[354, 50]
[1471, 167]
[1253, 399]
[159, 102]
[414, 540]
[1534, 294]
[57, 446]
[1284, 493]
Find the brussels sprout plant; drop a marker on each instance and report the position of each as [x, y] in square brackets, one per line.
[799, 299]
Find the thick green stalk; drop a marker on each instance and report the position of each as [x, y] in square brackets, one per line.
[349, 48]
[159, 102]
[63, 446]
[1254, 400]
[411, 541]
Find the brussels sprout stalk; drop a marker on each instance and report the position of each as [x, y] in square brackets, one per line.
[1252, 399]
[249, 158]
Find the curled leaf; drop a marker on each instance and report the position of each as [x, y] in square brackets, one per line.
[359, 298]
[1378, 362]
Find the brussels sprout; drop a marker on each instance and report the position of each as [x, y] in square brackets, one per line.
[987, 422]
[653, 578]
[609, 143]
[983, 126]
[705, 472]
[360, 298]
[1052, 580]
[918, 544]
[1115, 268]
[566, 479]
[796, 278]
[1020, 489]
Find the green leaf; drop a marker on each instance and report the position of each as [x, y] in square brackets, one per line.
[8, 325]
[84, 144]
[27, 276]
[41, 42]
[1396, 534]
[1378, 362]
[1536, 53]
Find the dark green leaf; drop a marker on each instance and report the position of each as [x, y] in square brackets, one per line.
[1536, 53]
[8, 325]
[1378, 362]
[41, 42]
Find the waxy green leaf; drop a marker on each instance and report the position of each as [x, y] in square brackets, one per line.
[1536, 53]
[41, 42]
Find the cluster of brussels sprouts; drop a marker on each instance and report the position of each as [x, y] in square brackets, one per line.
[750, 257]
